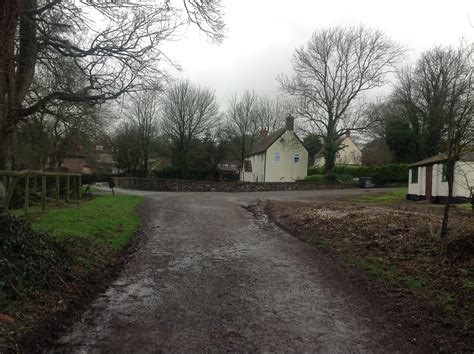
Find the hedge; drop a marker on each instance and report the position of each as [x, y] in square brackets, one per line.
[395, 173]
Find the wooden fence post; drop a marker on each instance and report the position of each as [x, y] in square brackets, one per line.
[27, 193]
[74, 189]
[43, 193]
[68, 183]
[80, 186]
[10, 191]
[58, 190]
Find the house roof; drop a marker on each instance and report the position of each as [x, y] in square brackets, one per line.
[441, 157]
[339, 141]
[265, 143]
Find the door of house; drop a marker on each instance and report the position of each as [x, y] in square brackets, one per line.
[429, 181]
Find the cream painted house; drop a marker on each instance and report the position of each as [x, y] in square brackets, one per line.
[278, 157]
[427, 179]
[348, 154]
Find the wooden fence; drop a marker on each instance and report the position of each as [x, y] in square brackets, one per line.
[12, 179]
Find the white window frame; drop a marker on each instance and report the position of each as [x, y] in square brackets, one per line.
[296, 156]
[277, 157]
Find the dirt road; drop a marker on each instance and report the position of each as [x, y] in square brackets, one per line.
[209, 276]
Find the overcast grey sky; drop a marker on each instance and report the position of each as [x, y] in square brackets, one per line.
[263, 34]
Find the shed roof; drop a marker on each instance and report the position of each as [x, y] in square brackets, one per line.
[441, 157]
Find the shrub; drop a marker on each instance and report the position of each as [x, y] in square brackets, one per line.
[29, 260]
[315, 171]
[395, 173]
[315, 178]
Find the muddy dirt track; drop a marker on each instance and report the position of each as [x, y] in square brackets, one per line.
[210, 276]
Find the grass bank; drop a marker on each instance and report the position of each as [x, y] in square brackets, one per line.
[54, 261]
[107, 220]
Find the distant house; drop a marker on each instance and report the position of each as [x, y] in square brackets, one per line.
[278, 157]
[76, 164]
[98, 160]
[427, 179]
[348, 154]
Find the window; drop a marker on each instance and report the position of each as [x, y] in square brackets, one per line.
[277, 157]
[414, 175]
[99, 147]
[444, 176]
[296, 158]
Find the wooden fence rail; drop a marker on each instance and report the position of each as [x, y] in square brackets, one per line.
[11, 180]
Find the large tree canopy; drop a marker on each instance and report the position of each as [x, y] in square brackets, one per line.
[115, 46]
[331, 72]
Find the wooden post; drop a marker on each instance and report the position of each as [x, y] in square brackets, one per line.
[27, 193]
[7, 191]
[58, 190]
[43, 193]
[80, 186]
[10, 191]
[68, 183]
[74, 189]
[8, 182]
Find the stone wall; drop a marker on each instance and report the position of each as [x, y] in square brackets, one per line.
[170, 185]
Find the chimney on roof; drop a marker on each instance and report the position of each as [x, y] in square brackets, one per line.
[348, 134]
[290, 122]
[263, 133]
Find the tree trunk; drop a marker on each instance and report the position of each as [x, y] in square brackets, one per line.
[450, 166]
[330, 151]
[145, 164]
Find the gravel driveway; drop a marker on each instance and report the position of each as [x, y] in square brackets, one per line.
[209, 276]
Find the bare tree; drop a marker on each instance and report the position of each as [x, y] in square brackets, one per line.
[271, 114]
[116, 46]
[47, 136]
[242, 119]
[126, 148]
[422, 93]
[189, 112]
[143, 115]
[458, 114]
[332, 72]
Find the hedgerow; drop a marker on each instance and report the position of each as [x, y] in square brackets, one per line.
[394, 173]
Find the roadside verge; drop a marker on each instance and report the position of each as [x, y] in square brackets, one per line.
[394, 259]
[55, 263]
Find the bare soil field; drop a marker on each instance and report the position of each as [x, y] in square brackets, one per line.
[395, 256]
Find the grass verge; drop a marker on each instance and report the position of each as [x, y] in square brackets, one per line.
[55, 261]
[108, 220]
[395, 195]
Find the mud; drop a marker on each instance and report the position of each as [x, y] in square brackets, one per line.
[210, 276]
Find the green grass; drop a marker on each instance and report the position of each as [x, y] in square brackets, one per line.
[111, 220]
[466, 206]
[382, 269]
[392, 196]
[75, 245]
